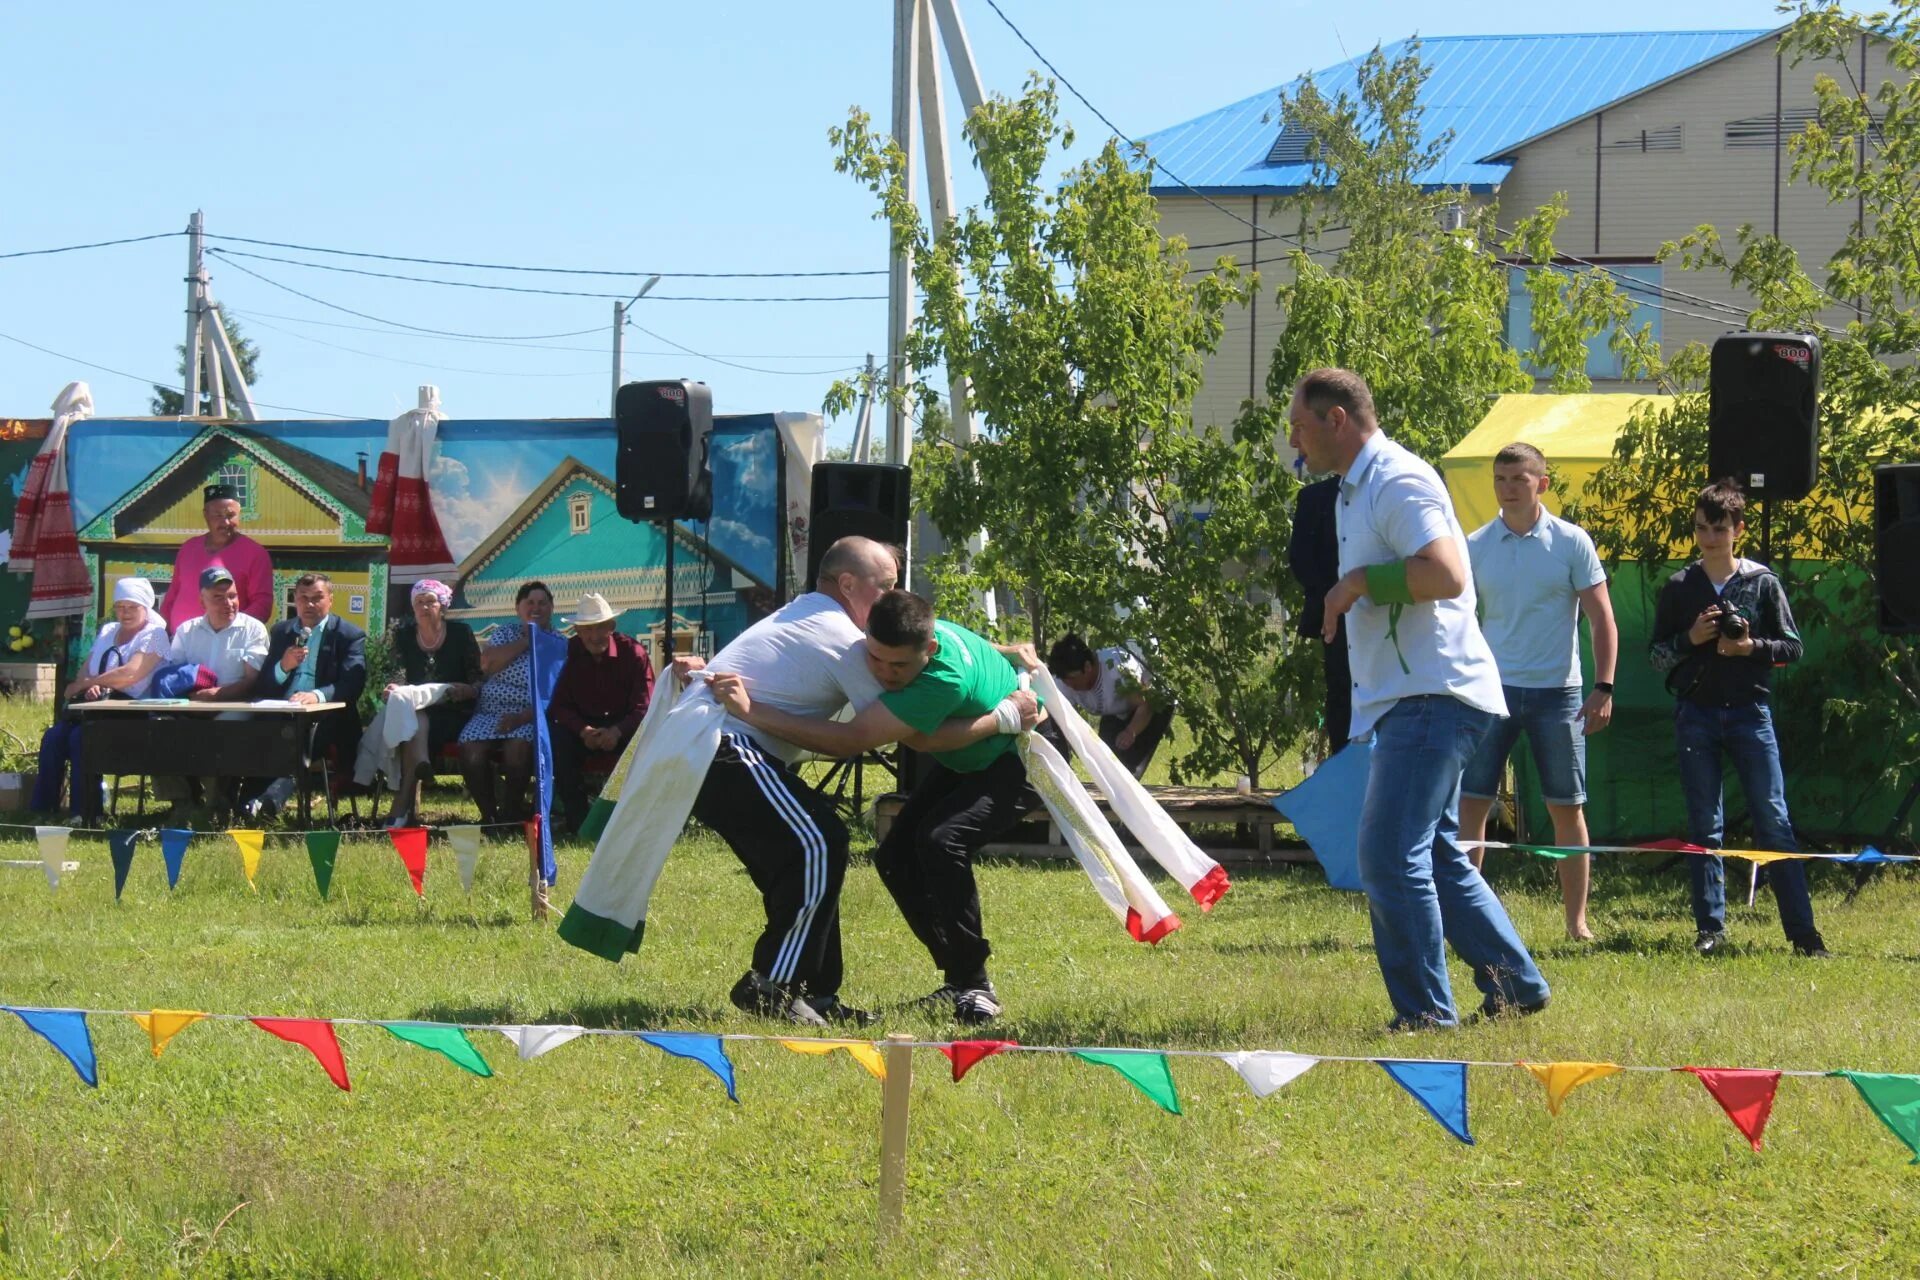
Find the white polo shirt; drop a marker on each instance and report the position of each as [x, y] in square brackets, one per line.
[809, 659]
[1119, 671]
[1391, 506]
[1529, 586]
[241, 646]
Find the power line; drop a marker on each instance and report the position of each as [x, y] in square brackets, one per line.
[161, 382]
[227, 255]
[797, 373]
[562, 271]
[420, 364]
[97, 244]
[524, 346]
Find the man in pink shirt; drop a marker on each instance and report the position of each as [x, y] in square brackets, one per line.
[223, 545]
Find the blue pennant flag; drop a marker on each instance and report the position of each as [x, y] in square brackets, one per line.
[66, 1030]
[1440, 1087]
[705, 1050]
[1871, 854]
[1325, 810]
[173, 850]
[120, 848]
[548, 655]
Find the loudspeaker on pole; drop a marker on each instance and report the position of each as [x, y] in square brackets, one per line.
[661, 470]
[1763, 412]
[1896, 546]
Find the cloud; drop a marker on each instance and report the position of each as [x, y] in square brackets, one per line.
[467, 517]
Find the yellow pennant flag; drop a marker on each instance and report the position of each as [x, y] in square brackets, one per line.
[1763, 856]
[1562, 1078]
[249, 842]
[864, 1054]
[164, 1024]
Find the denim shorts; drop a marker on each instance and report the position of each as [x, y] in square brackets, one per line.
[1549, 717]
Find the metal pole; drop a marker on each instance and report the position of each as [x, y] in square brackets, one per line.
[666, 640]
[896, 1093]
[619, 352]
[966, 76]
[216, 378]
[196, 275]
[906, 14]
[863, 418]
[236, 381]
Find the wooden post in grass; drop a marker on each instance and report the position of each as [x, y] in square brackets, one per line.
[895, 1093]
[536, 883]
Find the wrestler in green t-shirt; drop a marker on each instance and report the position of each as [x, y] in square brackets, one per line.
[966, 677]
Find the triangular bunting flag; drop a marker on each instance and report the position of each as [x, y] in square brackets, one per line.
[1440, 1087]
[533, 1040]
[449, 1042]
[1321, 809]
[708, 1051]
[173, 851]
[322, 848]
[1896, 1100]
[1562, 1078]
[120, 849]
[1267, 1072]
[316, 1036]
[1745, 1095]
[163, 1025]
[1147, 1072]
[864, 1054]
[964, 1053]
[53, 851]
[466, 852]
[411, 844]
[250, 843]
[66, 1030]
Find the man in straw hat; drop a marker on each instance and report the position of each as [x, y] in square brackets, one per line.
[597, 706]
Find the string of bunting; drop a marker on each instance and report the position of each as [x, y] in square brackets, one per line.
[1864, 857]
[1439, 1086]
[322, 847]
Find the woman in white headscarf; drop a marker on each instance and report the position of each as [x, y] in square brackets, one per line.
[121, 665]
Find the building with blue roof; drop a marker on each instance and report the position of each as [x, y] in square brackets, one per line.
[1648, 134]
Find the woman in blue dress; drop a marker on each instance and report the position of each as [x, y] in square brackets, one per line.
[502, 723]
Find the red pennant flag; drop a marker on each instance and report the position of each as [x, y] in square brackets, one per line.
[964, 1053]
[1745, 1095]
[1675, 846]
[316, 1036]
[411, 844]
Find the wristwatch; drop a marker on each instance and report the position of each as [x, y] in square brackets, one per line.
[1603, 686]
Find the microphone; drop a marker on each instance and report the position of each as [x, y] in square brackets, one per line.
[306, 634]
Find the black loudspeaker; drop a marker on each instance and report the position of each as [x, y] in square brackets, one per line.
[1896, 546]
[864, 499]
[660, 465]
[1763, 394]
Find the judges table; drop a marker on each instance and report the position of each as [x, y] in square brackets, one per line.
[188, 738]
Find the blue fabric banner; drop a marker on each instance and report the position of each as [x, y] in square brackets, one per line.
[1325, 810]
[66, 1030]
[120, 848]
[705, 1050]
[173, 850]
[547, 656]
[1440, 1087]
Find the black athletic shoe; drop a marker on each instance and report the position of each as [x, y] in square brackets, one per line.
[766, 999]
[836, 1010]
[940, 1002]
[1813, 947]
[1711, 942]
[1494, 1007]
[976, 1006]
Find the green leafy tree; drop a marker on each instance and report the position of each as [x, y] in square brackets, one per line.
[167, 401]
[1859, 699]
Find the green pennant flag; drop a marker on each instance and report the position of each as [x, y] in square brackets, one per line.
[1896, 1100]
[322, 848]
[1147, 1072]
[448, 1041]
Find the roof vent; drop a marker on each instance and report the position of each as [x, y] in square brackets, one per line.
[1665, 138]
[1290, 147]
[1756, 133]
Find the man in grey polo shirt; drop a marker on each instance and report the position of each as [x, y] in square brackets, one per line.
[1535, 575]
[1425, 685]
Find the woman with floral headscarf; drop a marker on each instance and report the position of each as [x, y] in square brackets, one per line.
[432, 649]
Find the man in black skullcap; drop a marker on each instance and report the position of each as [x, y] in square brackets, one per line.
[224, 545]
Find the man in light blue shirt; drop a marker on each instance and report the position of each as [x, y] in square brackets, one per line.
[1425, 684]
[1536, 574]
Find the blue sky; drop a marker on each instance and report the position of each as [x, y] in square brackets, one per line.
[635, 137]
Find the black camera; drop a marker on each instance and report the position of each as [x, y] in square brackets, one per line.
[1731, 624]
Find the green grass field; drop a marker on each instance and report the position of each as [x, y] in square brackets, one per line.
[233, 1156]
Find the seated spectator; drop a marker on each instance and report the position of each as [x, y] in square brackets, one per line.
[598, 704]
[314, 657]
[1112, 686]
[227, 645]
[502, 720]
[440, 669]
[121, 665]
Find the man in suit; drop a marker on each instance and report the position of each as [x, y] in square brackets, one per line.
[1313, 553]
[314, 657]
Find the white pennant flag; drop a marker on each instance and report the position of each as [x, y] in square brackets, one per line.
[466, 852]
[1266, 1072]
[532, 1041]
[53, 851]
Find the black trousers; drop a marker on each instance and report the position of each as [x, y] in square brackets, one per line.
[926, 861]
[794, 849]
[569, 774]
[1136, 757]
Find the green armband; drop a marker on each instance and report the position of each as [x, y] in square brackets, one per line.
[1387, 583]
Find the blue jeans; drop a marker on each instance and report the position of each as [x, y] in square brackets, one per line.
[1551, 720]
[59, 748]
[1422, 891]
[1745, 734]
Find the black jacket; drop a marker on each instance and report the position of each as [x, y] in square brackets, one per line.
[1698, 673]
[1313, 551]
[340, 671]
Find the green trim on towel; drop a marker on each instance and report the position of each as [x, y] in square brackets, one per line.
[608, 939]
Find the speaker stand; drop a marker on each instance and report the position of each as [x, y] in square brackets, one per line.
[666, 641]
[1766, 531]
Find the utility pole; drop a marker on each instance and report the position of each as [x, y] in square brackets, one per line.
[906, 94]
[620, 341]
[196, 311]
[863, 418]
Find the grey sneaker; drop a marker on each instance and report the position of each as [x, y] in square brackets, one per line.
[767, 999]
[976, 1006]
[1711, 942]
